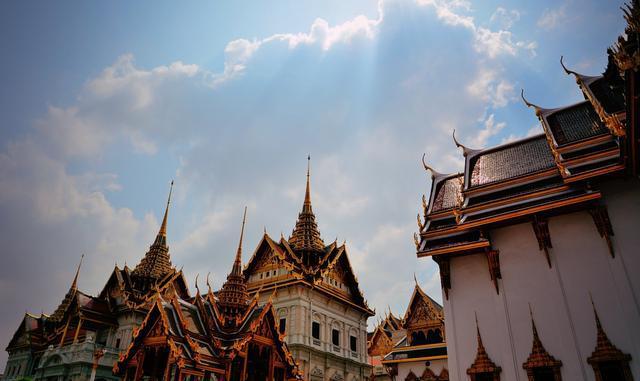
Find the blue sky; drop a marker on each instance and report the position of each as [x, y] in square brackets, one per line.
[103, 103]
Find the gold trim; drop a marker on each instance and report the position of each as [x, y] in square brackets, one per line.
[465, 226]
[439, 357]
[475, 245]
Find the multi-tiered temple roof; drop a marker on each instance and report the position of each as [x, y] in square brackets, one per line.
[534, 178]
[307, 260]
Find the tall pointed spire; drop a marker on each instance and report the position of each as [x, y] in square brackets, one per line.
[162, 233]
[156, 262]
[306, 207]
[71, 293]
[233, 296]
[74, 284]
[305, 235]
[237, 264]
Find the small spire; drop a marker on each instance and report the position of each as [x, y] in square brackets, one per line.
[74, 285]
[536, 338]
[237, 264]
[197, 288]
[479, 337]
[163, 227]
[307, 195]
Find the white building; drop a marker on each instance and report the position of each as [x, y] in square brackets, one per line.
[317, 299]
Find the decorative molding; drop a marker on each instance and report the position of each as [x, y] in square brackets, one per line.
[444, 264]
[539, 358]
[493, 260]
[482, 365]
[600, 217]
[607, 353]
[541, 229]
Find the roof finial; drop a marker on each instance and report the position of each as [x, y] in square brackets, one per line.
[237, 264]
[163, 227]
[565, 68]
[465, 150]
[434, 173]
[197, 288]
[529, 104]
[307, 195]
[208, 284]
[74, 285]
[415, 279]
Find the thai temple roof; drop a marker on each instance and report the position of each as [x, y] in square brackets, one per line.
[538, 176]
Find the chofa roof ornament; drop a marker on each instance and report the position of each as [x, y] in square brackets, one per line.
[434, 173]
[465, 150]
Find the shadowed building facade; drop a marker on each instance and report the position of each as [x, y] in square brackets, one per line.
[537, 240]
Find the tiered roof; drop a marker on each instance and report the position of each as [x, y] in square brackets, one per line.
[208, 331]
[538, 176]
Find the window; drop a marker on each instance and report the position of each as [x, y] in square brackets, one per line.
[335, 337]
[315, 330]
[353, 343]
[283, 324]
[118, 343]
[544, 374]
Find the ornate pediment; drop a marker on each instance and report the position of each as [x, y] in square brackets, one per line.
[422, 311]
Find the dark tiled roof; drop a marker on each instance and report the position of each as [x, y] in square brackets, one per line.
[449, 191]
[518, 159]
[575, 123]
[612, 101]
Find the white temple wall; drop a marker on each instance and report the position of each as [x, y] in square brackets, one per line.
[559, 297]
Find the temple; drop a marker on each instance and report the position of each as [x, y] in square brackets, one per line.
[83, 337]
[532, 228]
[223, 337]
[146, 323]
[414, 347]
[319, 305]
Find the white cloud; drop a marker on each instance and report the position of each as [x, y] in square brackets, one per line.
[490, 129]
[505, 18]
[489, 42]
[488, 87]
[552, 17]
[534, 130]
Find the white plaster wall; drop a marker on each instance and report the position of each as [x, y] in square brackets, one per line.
[559, 296]
[471, 292]
[301, 304]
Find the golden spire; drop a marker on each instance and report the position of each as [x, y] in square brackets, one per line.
[163, 227]
[156, 262]
[74, 284]
[237, 264]
[305, 235]
[306, 207]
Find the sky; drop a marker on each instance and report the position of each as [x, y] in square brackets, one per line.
[102, 104]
